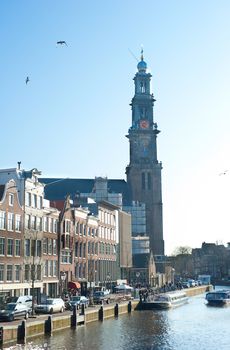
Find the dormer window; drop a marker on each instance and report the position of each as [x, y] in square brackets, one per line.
[11, 199]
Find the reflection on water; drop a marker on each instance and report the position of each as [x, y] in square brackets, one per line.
[191, 326]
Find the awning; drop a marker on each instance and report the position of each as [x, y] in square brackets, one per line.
[74, 285]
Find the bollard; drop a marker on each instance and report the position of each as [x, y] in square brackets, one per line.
[129, 306]
[82, 309]
[101, 314]
[116, 310]
[74, 317]
[21, 336]
[1, 336]
[48, 325]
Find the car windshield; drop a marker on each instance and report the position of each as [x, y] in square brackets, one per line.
[49, 301]
[99, 294]
[75, 298]
[10, 306]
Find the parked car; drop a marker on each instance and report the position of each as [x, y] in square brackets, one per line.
[13, 310]
[191, 283]
[185, 284]
[23, 299]
[78, 300]
[50, 306]
[101, 297]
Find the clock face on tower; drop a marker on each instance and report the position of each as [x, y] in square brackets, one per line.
[144, 124]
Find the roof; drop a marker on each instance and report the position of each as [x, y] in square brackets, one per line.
[59, 188]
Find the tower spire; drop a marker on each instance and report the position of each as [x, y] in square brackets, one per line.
[142, 53]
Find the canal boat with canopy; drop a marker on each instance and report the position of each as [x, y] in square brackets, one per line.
[165, 300]
[218, 298]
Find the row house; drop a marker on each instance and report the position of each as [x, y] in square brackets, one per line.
[86, 248]
[108, 259]
[38, 265]
[11, 242]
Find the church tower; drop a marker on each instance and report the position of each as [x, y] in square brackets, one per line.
[144, 170]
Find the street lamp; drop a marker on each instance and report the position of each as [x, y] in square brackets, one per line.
[63, 278]
[137, 276]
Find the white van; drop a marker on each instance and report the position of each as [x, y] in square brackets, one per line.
[23, 299]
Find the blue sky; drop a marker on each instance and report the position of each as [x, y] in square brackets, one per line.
[71, 119]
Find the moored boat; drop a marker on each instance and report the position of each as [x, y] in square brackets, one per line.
[165, 300]
[218, 298]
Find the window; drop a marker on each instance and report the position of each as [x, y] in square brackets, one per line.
[28, 199]
[27, 272]
[39, 223]
[76, 249]
[39, 272]
[17, 222]
[50, 267]
[45, 224]
[55, 223]
[9, 246]
[51, 225]
[55, 268]
[39, 202]
[67, 225]
[11, 199]
[9, 272]
[2, 220]
[83, 250]
[54, 247]
[67, 241]
[27, 247]
[33, 200]
[10, 221]
[80, 250]
[1, 272]
[39, 248]
[17, 273]
[2, 246]
[66, 257]
[33, 222]
[27, 221]
[17, 247]
[49, 246]
[77, 228]
[45, 245]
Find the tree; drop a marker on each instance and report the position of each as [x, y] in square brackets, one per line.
[182, 250]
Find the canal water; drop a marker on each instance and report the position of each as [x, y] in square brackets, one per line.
[191, 326]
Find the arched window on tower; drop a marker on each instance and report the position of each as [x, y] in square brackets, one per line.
[149, 181]
[146, 181]
[143, 87]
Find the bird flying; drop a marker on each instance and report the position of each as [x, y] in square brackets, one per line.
[27, 80]
[62, 42]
